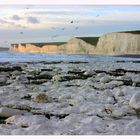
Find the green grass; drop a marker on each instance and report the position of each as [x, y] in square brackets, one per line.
[90, 40]
[132, 32]
[41, 44]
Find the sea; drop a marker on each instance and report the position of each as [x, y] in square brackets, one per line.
[43, 57]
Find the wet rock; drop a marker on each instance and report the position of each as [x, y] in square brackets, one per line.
[8, 112]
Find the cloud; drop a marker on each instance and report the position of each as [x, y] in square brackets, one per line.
[6, 23]
[16, 17]
[32, 20]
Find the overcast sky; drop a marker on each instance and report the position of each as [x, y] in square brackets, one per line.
[28, 23]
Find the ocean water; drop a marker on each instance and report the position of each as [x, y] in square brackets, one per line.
[37, 57]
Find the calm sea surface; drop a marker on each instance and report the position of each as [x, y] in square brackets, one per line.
[37, 57]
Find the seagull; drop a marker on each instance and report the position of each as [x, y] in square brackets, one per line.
[71, 21]
[21, 32]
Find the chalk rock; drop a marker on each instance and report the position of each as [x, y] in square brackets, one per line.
[136, 78]
[135, 102]
[56, 78]
[105, 79]
[8, 112]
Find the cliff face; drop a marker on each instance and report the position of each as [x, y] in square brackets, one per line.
[118, 43]
[109, 44]
[73, 46]
[78, 46]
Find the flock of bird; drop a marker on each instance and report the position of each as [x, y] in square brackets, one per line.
[54, 36]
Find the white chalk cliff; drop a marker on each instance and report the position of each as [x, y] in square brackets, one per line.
[109, 44]
[118, 43]
[73, 46]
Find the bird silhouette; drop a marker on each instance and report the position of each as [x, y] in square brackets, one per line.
[71, 21]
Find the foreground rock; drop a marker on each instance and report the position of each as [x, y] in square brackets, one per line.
[135, 102]
[8, 112]
[94, 98]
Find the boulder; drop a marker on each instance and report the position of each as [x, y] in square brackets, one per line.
[135, 101]
[8, 112]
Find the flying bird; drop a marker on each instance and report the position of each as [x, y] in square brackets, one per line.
[21, 32]
[71, 21]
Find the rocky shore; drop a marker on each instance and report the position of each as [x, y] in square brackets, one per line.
[70, 98]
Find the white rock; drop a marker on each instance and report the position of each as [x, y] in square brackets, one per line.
[135, 101]
[105, 79]
[56, 78]
[100, 75]
[8, 112]
[89, 73]
[136, 78]
[119, 93]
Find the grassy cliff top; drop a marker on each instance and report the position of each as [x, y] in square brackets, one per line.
[132, 32]
[90, 40]
[41, 44]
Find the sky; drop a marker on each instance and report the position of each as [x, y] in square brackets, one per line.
[56, 23]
